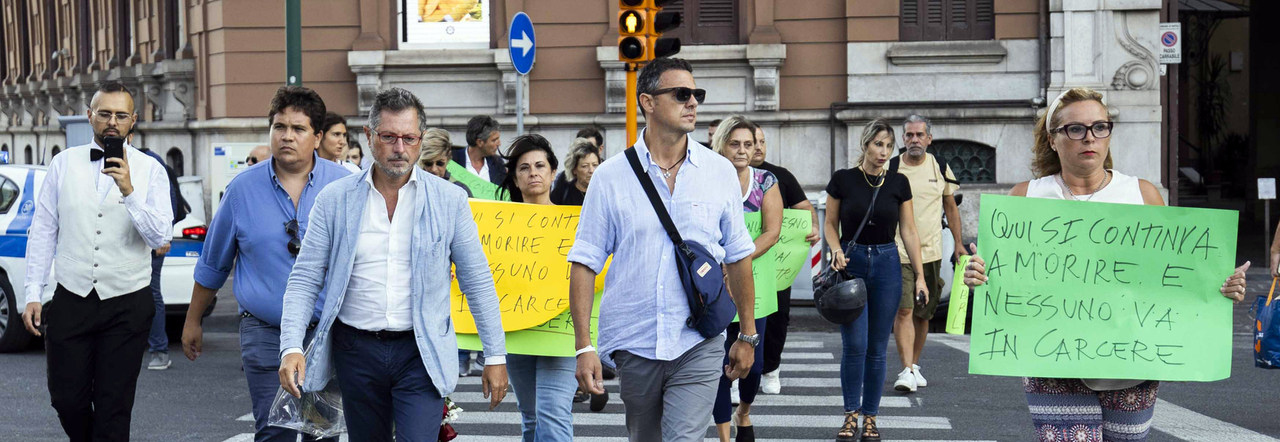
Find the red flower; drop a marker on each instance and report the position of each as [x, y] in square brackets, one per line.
[447, 433]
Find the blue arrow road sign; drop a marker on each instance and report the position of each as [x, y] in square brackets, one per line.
[521, 43]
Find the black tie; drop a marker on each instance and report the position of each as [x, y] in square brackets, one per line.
[95, 154]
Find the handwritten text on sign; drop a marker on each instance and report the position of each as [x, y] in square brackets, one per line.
[527, 246]
[552, 338]
[1095, 290]
[791, 253]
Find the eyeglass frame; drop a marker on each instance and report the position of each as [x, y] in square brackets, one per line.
[438, 163]
[693, 93]
[122, 117]
[1088, 130]
[295, 243]
[398, 138]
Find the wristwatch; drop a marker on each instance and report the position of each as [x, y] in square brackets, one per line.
[754, 340]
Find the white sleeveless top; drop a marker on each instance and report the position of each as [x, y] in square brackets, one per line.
[1122, 189]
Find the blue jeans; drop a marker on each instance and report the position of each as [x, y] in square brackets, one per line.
[158, 340]
[748, 386]
[865, 340]
[384, 386]
[544, 394]
[260, 353]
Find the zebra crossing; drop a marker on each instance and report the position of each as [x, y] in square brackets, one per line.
[810, 407]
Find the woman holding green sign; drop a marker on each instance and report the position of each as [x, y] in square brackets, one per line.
[544, 384]
[435, 155]
[866, 207]
[1072, 161]
[735, 139]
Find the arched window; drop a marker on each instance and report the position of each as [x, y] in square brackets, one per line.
[8, 158]
[28, 157]
[56, 150]
[971, 162]
[174, 158]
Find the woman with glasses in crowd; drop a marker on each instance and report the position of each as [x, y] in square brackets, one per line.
[544, 384]
[870, 191]
[735, 139]
[435, 157]
[584, 158]
[1072, 161]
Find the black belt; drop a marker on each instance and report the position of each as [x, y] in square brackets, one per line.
[381, 335]
[246, 314]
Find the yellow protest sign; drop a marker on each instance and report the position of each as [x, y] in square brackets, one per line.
[552, 338]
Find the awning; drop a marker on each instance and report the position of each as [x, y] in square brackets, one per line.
[1217, 8]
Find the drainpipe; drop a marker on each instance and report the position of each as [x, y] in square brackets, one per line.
[1044, 50]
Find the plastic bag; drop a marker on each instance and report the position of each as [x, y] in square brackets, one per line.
[1266, 345]
[317, 413]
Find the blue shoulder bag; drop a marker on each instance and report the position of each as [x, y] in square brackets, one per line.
[710, 306]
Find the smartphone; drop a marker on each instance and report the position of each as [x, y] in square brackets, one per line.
[112, 147]
[920, 299]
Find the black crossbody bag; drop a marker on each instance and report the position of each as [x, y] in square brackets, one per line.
[711, 309]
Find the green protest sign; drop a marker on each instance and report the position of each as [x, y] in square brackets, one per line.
[553, 338]
[480, 187]
[763, 272]
[959, 303]
[791, 253]
[1096, 290]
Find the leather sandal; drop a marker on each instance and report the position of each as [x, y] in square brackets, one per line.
[849, 431]
[870, 433]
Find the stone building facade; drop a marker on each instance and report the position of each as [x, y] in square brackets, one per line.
[812, 72]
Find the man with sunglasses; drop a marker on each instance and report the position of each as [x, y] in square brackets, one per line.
[98, 217]
[669, 372]
[257, 232]
[380, 252]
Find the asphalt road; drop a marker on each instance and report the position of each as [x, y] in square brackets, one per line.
[205, 400]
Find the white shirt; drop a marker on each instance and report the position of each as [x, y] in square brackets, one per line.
[378, 294]
[354, 168]
[483, 171]
[152, 216]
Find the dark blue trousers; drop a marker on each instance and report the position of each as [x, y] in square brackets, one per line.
[383, 381]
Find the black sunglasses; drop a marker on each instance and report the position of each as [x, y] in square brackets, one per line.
[295, 244]
[683, 93]
[440, 163]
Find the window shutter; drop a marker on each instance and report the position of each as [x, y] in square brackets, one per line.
[935, 20]
[909, 27]
[984, 27]
[959, 19]
[715, 23]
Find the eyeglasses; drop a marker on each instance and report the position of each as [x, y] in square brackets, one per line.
[295, 244]
[409, 140]
[437, 163]
[683, 93]
[1101, 129]
[119, 116]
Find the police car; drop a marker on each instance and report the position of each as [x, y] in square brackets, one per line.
[19, 186]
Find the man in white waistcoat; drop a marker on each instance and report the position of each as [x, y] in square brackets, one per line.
[103, 216]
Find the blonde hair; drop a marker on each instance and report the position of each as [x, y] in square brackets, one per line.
[435, 142]
[1045, 161]
[720, 141]
[869, 132]
[580, 148]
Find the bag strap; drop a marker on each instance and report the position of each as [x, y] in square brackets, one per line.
[652, 192]
[870, 208]
[1273, 291]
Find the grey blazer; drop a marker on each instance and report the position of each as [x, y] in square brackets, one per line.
[444, 233]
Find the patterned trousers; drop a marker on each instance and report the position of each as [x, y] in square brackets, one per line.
[1067, 410]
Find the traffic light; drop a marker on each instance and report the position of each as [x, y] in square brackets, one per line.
[662, 21]
[640, 27]
[632, 30]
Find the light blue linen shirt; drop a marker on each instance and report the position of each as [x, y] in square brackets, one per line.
[644, 307]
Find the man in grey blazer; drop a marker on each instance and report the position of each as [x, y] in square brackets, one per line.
[380, 246]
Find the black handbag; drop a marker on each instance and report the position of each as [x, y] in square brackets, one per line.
[711, 309]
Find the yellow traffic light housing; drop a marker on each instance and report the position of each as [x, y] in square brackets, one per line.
[633, 19]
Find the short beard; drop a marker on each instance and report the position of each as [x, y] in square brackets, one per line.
[916, 151]
[393, 173]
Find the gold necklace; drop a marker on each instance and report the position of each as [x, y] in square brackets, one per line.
[882, 174]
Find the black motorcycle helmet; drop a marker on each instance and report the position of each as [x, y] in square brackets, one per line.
[839, 300]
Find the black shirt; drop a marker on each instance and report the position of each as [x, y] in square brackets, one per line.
[564, 193]
[850, 186]
[792, 193]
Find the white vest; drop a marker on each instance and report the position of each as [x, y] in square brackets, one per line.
[98, 246]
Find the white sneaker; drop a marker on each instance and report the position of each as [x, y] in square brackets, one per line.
[906, 381]
[769, 383]
[920, 382]
[734, 398]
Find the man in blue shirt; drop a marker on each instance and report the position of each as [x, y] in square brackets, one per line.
[669, 372]
[258, 231]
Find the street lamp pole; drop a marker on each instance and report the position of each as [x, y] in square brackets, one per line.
[293, 42]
